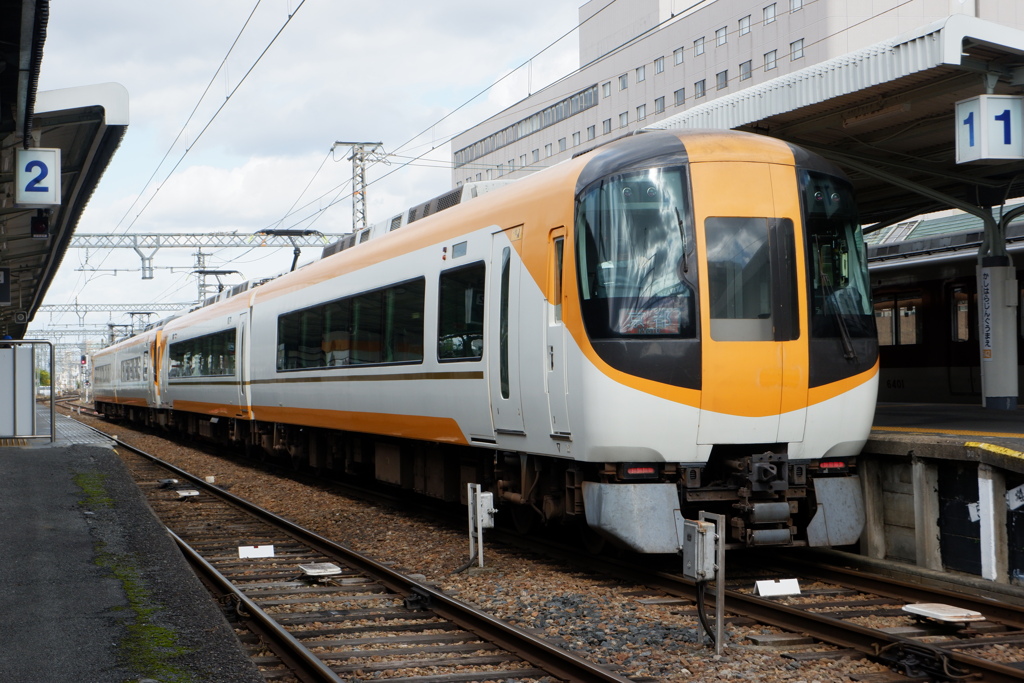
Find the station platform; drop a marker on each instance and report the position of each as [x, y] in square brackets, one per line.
[92, 588]
[951, 431]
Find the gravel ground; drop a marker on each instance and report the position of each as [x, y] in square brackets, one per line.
[602, 619]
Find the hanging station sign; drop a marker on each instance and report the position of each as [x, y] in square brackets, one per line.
[37, 178]
[990, 128]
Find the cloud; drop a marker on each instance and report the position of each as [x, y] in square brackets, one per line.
[368, 71]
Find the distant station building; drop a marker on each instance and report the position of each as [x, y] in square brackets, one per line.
[642, 61]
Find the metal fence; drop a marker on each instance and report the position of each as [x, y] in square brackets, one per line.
[19, 386]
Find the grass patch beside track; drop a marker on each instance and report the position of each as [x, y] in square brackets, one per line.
[147, 647]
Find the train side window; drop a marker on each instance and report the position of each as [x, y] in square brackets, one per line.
[211, 355]
[910, 331]
[960, 314]
[382, 326]
[556, 289]
[885, 321]
[460, 326]
[899, 320]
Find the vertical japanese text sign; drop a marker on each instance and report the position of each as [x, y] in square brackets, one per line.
[37, 178]
[990, 127]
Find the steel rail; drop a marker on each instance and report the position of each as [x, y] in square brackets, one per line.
[828, 629]
[539, 652]
[905, 590]
[303, 663]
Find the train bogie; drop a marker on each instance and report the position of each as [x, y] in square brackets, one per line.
[670, 322]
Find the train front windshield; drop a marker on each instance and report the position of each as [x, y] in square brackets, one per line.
[836, 259]
[638, 273]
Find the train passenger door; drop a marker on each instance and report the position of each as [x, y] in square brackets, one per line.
[556, 379]
[503, 333]
[755, 357]
[147, 359]
[242, 364]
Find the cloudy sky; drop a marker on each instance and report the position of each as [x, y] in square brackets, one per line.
[338, 70]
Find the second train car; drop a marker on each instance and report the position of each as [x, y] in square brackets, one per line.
[668, 323]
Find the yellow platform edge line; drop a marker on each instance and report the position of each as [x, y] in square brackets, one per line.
[1009, 452]
[948, 432]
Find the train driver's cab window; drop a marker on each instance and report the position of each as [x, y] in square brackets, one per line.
[638, 270]
[899, 320]
[460, 327]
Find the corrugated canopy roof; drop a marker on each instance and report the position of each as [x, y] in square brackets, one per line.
[889, 110]
[86, 124]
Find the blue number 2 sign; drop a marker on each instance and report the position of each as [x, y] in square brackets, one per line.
[41, 172]
[37, 179]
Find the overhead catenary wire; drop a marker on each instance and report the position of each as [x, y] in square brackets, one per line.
[291, 15]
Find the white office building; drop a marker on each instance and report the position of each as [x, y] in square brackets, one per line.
[645, 60]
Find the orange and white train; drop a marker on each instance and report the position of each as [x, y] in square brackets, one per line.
[667, 323]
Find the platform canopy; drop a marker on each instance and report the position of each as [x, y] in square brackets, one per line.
[885, 114]
[86, 124]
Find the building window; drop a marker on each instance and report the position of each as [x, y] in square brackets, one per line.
[680, 96]
[769, 60]
[623, 119]
[745, 70]
[623, 81]
[501, 170]
[769, 13]
[722, 80]
[641, 112]
[677, 56]
[794, 5]
[721, 36]
[745, 25]
[796, 49]
[548, 150]
[490, 174]
[698, 89]
[561, 144]
[549, 116]
[641, 74]
[698, 46]
[522, 161]
[536, 155]
[659, 65]
[591, 132]
[479, 177]
[606, 126]
[659, 105]
[606, 89]
[576, 139]
[511, 165]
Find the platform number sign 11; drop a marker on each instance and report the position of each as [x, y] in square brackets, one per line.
[37, 177]
[990, 128]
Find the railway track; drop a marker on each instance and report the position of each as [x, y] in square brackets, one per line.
[862, 616]
[858, 613]
[328, 613]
